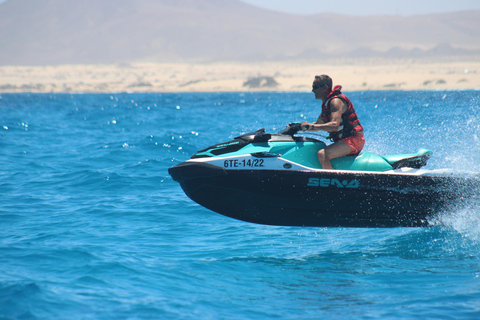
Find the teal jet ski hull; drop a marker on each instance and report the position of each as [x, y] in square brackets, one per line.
[276, 179]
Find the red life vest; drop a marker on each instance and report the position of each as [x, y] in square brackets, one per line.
[350, 124]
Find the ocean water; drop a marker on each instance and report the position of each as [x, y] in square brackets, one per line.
[93, 227]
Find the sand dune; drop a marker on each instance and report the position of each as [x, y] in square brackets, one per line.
[193, 31]
[271, 76]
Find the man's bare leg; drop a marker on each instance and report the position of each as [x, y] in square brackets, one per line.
[333, 151]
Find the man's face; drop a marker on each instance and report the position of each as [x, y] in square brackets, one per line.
[319, 90]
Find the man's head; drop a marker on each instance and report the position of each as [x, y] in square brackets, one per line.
[322, 86]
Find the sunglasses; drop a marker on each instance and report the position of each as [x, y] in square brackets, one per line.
[315, 87]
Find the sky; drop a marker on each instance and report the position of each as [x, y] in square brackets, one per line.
[367, 7]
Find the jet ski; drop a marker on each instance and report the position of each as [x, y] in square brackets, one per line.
[276, 179]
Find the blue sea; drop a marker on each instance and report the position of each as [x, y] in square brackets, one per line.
[93, 227]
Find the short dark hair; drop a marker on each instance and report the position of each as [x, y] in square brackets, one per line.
[323, 80]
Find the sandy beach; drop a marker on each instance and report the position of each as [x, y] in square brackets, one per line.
[232, 77]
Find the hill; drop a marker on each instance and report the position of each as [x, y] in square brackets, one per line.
[40, 32]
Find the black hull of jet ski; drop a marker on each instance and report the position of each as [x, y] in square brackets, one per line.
[323, 198]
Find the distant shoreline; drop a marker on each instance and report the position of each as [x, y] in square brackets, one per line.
[282, 76]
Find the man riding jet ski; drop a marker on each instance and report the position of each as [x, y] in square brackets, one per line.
[338, 118]
[286, 179]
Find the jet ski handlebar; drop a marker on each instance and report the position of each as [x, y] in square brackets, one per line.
[291, 128]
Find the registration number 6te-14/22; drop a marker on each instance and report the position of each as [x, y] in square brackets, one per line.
[251, 163]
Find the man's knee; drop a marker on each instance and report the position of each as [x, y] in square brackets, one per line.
[322, 154]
